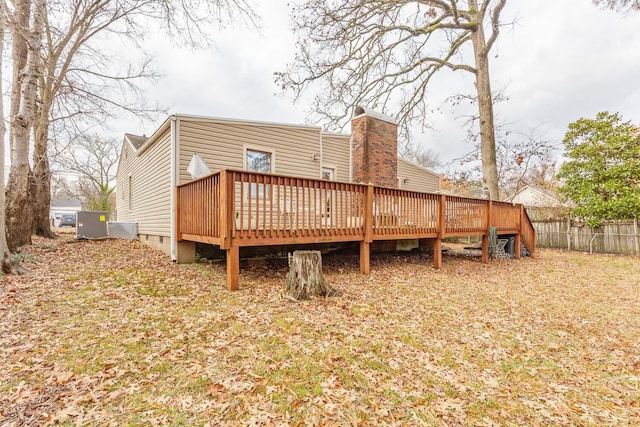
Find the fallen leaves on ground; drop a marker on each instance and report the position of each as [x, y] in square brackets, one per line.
[113, 333]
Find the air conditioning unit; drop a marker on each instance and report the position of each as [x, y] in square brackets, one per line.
[91, 225]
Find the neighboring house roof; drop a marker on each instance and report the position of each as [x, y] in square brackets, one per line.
[535, 196]
[59, 203]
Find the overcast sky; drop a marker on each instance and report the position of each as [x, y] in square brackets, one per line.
[561, 60]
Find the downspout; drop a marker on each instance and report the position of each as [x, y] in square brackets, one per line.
[174, 242]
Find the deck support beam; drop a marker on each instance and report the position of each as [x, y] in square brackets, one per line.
[233, 268]
[516, 249]
[485, 248]
[437, 253]
[365, 257]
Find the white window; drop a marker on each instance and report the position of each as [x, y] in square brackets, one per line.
[329, 173]
[257, 159]
[130, 192]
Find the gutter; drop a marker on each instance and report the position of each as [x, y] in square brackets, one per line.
[153, 138]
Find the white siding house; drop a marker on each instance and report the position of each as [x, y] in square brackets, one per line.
[59, 207]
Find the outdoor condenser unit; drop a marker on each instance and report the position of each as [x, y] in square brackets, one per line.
[91, 224]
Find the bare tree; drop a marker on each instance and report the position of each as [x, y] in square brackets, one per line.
[80, 82]
[4, 248]
[94, 159]
[425, 157]
[384, 54]
[61, 188]
[18, 206]
[522, 158]
[619, 5]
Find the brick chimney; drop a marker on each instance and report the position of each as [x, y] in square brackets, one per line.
[374, 148]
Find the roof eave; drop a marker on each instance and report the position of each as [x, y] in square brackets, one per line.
[156, 135]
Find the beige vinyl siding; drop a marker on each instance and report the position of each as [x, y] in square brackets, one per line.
[125, 165]
[419, 179]
[335, 153]
[150, 187]
[221, 145]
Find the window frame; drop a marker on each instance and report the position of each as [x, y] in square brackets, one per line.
[332, 168]
[259, 191]
[130, 191]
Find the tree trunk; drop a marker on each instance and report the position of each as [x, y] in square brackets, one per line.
[485, 110]
[19, 57]
[4, 248]
[19, 209]
[305, 278]
[41, 184]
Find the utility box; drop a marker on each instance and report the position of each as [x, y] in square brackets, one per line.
[91, 225]
[123, 230]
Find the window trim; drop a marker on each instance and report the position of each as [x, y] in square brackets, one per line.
[332, 167]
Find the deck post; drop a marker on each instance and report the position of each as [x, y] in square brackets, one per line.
[368, 213]
[365, 245]
[178, 227]
[233, 268]
[227, 202]
[516, 249]
[485, 248]
[365, 252]
[442, 224]
[437, 253]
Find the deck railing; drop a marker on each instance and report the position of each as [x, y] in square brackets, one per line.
[273, 209]
[528, 232]
[403, 214]
[465, 216]
[198, 210]
[240, 208]
[505, 217]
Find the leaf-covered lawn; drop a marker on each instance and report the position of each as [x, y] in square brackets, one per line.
[111, 332]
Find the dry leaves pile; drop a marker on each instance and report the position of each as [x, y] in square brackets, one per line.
[113, 333]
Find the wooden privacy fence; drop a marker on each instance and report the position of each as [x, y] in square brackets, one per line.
[613, 237]
[234, 208]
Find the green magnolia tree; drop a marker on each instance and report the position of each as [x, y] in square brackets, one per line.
[602, 173]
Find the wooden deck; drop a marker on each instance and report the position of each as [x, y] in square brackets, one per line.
[234, 208]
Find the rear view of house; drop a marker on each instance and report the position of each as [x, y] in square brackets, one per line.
[236, 184]
[151, 168]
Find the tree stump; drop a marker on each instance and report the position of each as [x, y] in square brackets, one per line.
[305, 278]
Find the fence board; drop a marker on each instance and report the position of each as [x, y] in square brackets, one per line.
[612, 237]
